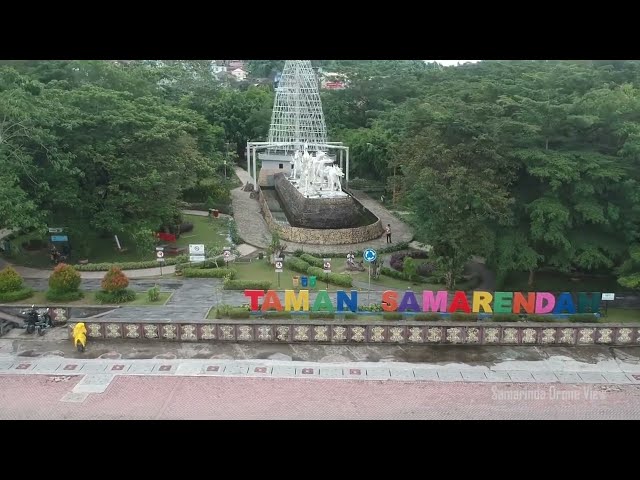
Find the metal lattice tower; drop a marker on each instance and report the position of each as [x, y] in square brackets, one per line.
[297, 111]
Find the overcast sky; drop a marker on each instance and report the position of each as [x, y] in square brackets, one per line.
[451, 62]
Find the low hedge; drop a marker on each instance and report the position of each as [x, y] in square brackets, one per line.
[463, 317]
[57, 296]
[297, 264]
[351, 316]
[100, 267]
[392, 316]
[119, 296]
[279, 315]
[311, 260]
[339, 279]
[322, 315]
[427, 317]
[505, 317]
[16, 295]
[246, 284]
[227, 311]
[538, 318]
[208, 272]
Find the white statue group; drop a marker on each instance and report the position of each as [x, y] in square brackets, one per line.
[315, 173]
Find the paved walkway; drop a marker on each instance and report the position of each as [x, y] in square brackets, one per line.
[60, 388]
[253, 228]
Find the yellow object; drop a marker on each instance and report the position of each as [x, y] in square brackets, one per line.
[80, 335]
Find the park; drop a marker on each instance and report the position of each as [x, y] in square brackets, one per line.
[284, 221]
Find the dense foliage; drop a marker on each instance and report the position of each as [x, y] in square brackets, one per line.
[532, 165]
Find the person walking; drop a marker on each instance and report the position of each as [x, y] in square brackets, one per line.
[388, 231]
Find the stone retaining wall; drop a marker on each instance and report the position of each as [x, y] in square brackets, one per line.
[348, 332]
[337, 236]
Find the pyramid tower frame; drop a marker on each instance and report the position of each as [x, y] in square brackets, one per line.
[297, 121]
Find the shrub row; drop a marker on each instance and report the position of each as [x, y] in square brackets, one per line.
[15, 295]
[246, 284]
[233, 232]
[209, 272]
[340, 279]
[311, 260]
[394, 247]
[99, 267]
[297, 264]
[117, 296]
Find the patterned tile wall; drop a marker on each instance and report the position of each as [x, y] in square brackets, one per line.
[452, 334]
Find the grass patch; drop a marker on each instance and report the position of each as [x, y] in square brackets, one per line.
[621, 315]
[262, 270]
[103, 250]
[38, 298]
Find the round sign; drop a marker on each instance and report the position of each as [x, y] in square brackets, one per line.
[278, 264]
[227, 253]
[159, 254]
[327, 265]
[370, 255]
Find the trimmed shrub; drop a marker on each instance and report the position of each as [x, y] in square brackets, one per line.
[350, 316]
[463, 317]
[239, 314]
[246, 284]
[116, 296]
[64, 278]
[374, 307]
[15, 295]
[114, 280]
[153, 294]
[57, 296]
[323, 315]
[186, 227]
[233, 232]
[428, 317]
[311, 260]
[392, 316]
[297, 264]
[583, 318]
[339, 279]
[538, 318]
[409, 268]
[393, 274]
[505, 317]
[426, 269]
[208, 272]
[10, 280]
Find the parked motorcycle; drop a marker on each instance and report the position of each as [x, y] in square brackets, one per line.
[37, 322]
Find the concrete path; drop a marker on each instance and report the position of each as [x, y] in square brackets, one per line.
[253, 229]
[246, 211]
[59, 388]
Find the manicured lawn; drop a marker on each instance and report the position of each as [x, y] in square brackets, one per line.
[39, 299]
[558, 282]
[103, 250]
[262, 270]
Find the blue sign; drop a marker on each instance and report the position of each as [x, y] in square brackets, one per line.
[370, 255]
[59, 238]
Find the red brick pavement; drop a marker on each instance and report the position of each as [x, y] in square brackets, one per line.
[149, 397]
